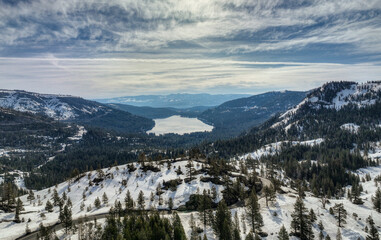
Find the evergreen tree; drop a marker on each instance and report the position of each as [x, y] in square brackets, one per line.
[373, 232]
[178, 230]
[129, 202]
[56, 198]
[340, 213]
[356, 192]
[377, 200]
[283, 234]
[105, 199]
[192, 224]
[97, 203]
[253, 213]
[30, 196]
[222, 222]
[170, 204]
[269, 193]
[300, 220]
[67, 218]
[321, 235]
[141, 201]
[49, 206]
[312, 215]
[203, 207]
[249, 236]
[19, 208]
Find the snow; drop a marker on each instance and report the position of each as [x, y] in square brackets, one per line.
[351, 127]
[136, 181]
[358, 94]
[147, 182]
[18, 178]
[273, 148]
[179, 125]
[81, 131]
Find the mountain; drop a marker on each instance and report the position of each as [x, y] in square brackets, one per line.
[180, 100]
[153, 112]
[324, 113]
[243, 113]
[73, 109]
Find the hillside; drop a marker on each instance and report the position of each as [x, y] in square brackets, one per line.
[180, 100]
[73, 109]
[170, 180]
[244, 113]
[324, 113]
[153, 113]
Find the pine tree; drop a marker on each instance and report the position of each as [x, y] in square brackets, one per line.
[253, 213]
[30, 196]
[170, 204]
[377, 200]
[97, 203]
[192, 224]
[203, 207]
[312, 215]
[300, 220]
[178, 230]
[129, 202]
[141, 202]
[321, 235]
[340, 213]
[49, 206]
[105, 199]
[356, 192]
[249, 236]
[222, 222]
[269, 193]
[19, 207]
[67, 218]
[373, 232]
[56, 198]
[283, 234]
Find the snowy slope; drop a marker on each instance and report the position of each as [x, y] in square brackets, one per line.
[135, 181]
[54, 106]
[335, 95]
[277, 214]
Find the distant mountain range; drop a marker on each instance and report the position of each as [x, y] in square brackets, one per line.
[73, 109]
[180, 100]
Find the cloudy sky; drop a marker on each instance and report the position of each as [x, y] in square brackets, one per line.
[95, 48]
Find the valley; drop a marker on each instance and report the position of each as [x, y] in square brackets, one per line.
[323, 153]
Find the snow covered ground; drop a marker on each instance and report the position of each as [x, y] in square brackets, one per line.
[276, 215]
[179, 125]
[135, 182]
[273, 148]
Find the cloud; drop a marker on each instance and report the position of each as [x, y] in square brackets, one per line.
[126, 47]
[95, 78]
[89, 27]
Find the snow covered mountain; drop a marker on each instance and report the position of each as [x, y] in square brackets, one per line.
[244, 113]
[337, 96]
[75, 109]
[59, 107]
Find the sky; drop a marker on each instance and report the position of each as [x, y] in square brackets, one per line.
[100, 49]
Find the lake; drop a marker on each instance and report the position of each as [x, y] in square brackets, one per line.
[179, 125]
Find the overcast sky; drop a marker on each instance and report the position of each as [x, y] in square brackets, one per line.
[98, 49]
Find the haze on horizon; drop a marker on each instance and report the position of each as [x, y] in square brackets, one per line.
[116, 48]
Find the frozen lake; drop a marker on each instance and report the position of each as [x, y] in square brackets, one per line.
[179, 125]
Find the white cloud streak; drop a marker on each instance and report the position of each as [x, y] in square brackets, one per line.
[96, 78]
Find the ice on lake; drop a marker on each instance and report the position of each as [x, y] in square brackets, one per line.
[179, 125]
